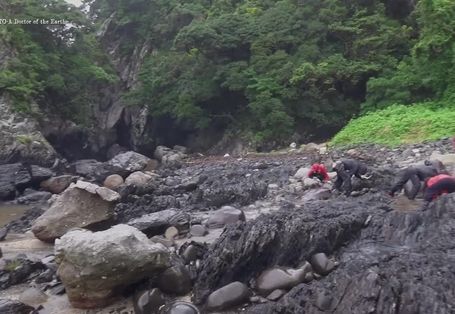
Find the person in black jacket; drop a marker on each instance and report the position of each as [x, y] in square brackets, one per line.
[345, 169]
[417, 175]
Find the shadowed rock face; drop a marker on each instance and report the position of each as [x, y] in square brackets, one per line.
[390, 262]
[286, 238]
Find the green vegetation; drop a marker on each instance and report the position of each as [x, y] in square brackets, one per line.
[399, 124]
[259, 68]
[428, 74]
[61, 68]
[24, 139]
[12, 265]
[264, 67]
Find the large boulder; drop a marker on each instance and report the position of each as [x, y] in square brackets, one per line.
[170, 157]
[58, 184]
[322, 264]
[130, 161]
[138, 178]
[228, 296]
[282, 278]
[113, 181]
[162, 151]
[40, 174]
[96, 266]
[224, 216]
[81, 205]
[157, 223]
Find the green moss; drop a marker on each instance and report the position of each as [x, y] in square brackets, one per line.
[12, 265]
[24, 139]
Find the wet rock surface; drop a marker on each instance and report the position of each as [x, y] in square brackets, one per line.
[93, 273]
[369, 253]
[157, 223]
[224, 216]
[81, 205]
[58, 184]
[14, 307]
[18, 270]
[228, 296]
[25, 221]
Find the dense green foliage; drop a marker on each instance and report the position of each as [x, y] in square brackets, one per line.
[399, 124]
[429, 72]
[259, 65]
[262, 67]
[59, 67]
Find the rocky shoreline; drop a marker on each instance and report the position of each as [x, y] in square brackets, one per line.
[191, 234]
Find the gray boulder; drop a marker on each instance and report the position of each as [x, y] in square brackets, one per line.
[138, 178]
[95, 266]
[40, 174]
[170, 157]
[282, 278]
[161, 151]
[113, 181]
[130, 161]
[33, 297]
[321, 264]
[302, 173]
[58, 184]
[81, 205]
[224, 216]
[157, 223]
[228, 296]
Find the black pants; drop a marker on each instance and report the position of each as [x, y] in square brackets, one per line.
[343, 181]
[446, 184]
[405, 176]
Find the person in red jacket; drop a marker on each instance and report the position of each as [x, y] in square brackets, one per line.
[319, 171]
[437, 186]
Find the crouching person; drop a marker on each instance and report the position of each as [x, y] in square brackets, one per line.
[437, 186]
[345, 169]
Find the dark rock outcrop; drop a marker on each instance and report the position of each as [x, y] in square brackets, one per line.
[287, 238]
[14, 307]
[24, 222]
[19, 270]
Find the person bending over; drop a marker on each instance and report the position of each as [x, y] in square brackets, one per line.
[416, 174]
[319, 171]
[437, 186]
[345, 169]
